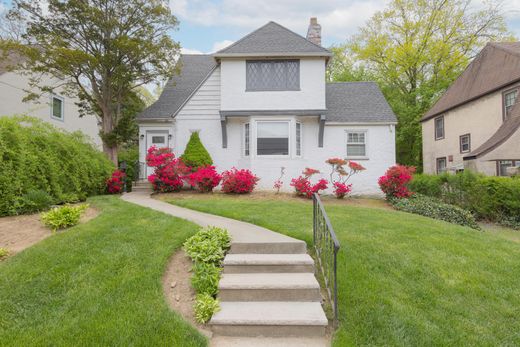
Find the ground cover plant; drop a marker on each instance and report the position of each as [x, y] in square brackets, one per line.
[3, 253]
[403, 279]
[97, 284]
[40, 161]
[63, 217]
[207, 249]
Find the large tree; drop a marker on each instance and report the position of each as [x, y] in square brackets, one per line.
[101, 51]
[415, 49]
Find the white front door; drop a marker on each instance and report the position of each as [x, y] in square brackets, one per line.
[158, 139]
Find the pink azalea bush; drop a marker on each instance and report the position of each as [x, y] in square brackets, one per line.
[204, 179]
[303, 186]
[238, 181]
[116, 182]
[339, 175]
[341, 189]
[395, 180]
[169, 172]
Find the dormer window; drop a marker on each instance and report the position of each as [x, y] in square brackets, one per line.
[272, 75]
[510, 100]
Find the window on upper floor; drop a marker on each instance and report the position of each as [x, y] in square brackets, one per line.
[57, 107]
[356, 144]
[272, 138]
[465, 143]
[439, 128]
[272, 75]
[509, 101]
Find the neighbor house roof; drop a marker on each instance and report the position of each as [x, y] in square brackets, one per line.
[505, 131]
[495, 67]
[273, 39]
[357, 102]
[194, 70]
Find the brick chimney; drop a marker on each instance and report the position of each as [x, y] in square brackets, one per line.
[314, 31]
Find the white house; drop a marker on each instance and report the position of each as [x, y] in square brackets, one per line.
[56, 109]
[263, 103]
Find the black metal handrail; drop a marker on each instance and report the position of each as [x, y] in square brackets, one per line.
[326, 246]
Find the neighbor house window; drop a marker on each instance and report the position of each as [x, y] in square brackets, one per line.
[57, 107]
[274, 75]
[247, 140]
[272, 138]
[298, 139]
[510, 100]
[439, 128]
[465, 143]
[356, 144]
[441, 165]
[504, 164]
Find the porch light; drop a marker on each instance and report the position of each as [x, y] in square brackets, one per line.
[169, 136]
[141, 136]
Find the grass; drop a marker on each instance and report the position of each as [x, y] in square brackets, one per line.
[98, 283]
[403, 279]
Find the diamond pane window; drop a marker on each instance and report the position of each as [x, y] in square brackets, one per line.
[272, 75]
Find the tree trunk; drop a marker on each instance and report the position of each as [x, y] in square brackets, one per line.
[107, 126]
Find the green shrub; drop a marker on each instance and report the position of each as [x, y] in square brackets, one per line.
[36, 201]
[205, 278]
[434, 208]
[131, 157]
[208, 245]
[3, 253]
[37, 156]
[488, 198]
[205, 306]
[195, 155]
[63, 217]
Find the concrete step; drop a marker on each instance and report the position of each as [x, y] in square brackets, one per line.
[270, 263]
[269, 287]
[266, 247]
[270, 319]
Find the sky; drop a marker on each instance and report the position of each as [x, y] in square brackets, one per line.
[209, 25]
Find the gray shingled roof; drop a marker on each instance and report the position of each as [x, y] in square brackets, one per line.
[357, 102]
[195, 68]
[274, 40]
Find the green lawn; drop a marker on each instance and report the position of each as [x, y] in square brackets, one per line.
[98, 283]
[403, 279]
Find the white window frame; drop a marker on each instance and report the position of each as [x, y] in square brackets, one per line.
[296, 147]
[357, 131]
[254, 138]
[247, 139]
[62, 99]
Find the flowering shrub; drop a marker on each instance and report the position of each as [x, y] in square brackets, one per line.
[116, 183]
[395, 180]
[303, 186]
[341, 189]
[278, 184]
[337, 168]
[169, 172]
[238, 181]
[205, 179]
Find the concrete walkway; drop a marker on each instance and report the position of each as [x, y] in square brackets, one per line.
[256, 250]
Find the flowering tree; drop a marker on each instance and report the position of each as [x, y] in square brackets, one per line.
[303, 186]
[395, 180]
[339, 175]
[169, 172]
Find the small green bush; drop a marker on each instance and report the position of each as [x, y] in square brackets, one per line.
[205, 278]
[131, 157]
[35, 201]
[208, 245]
[3, 253]
[63, 217]
[434, 208]
[195, 155]
[205, 306]
[35, 155]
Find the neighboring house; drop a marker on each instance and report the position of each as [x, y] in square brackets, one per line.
[263, 103]
[475, 125]
[56, 109]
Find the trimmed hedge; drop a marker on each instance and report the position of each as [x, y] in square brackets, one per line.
[434, 208]
[495, 199]
[195, 155]
[37, 157]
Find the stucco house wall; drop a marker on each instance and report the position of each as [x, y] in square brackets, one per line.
[12, 92]
[481, 118]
